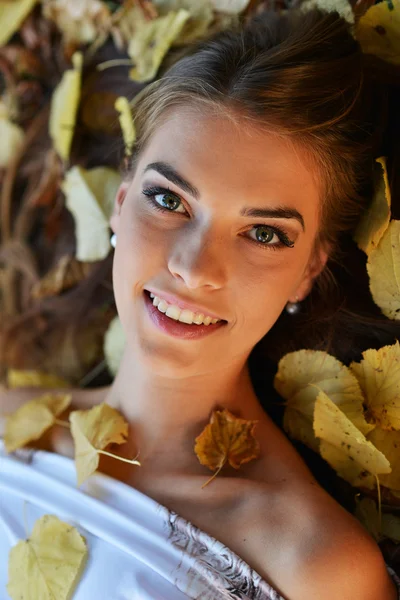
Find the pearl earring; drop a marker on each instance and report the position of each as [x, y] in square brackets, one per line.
[293, 307]
[113, 240]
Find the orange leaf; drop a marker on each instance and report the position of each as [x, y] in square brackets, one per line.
[226, 438]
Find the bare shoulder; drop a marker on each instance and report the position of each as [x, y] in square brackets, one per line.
[331, 555]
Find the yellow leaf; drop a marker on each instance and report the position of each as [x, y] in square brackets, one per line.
[90, 196]
[376, 219]
[379, 377]
[197, 25]
[383, 268]
[343, 7]
[388, 442]
[296, 379]
[151, 43]
[126, 122]
[378, 31]
[17, 378]
[344, 447]
[226, 439]
[48, 565]
[93, 430]
[12, 138]
[64, 107]
[32, 419]
[114, 343]
[12, 15]
[79, 22]
[230, 6]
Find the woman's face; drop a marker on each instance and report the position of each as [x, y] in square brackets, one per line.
[206, 247]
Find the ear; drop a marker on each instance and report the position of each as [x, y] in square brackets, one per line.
[118, 202]
[314, 268]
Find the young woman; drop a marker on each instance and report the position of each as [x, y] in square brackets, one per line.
[254, 155]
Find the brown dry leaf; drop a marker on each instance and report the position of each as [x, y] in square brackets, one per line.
[379, 377]
[17, 378]
[94, 430]
[376, 219]
[48, 565]
[344, 447]
[32, 419]
[383, 268]
[226, 439]
[378, 29]
[300, 377]
[67, 273]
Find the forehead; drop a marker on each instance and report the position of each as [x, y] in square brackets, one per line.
[219, 155]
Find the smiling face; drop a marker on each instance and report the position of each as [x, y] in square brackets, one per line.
[208, 246]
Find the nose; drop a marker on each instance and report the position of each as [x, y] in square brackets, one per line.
[199, 260]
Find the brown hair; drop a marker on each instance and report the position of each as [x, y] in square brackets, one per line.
[302, 75]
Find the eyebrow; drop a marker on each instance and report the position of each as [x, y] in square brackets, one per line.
[280, 212]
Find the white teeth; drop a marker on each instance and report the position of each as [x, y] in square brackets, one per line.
[184, 316]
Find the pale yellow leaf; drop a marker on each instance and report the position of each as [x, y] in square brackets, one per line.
[343, 7]
[230, 6]
[126, 122]
[64, 107]
[80, 22]
[12, 15]
[344, 447]
[90, 196]
[378, 29]
[114, 343]
[19, 378]
[383, 268]
[93, 430]
[197, 25]
[296, 379]
[12, 139]
[32, 419]
[376, 219]
[48, 565]
[151, 43]
[378, 374]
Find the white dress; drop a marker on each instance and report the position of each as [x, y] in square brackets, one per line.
[137, 548]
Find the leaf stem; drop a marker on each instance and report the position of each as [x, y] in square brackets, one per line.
[215, 474]
[131, 461]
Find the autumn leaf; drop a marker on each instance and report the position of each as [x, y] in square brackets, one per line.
[126, 122]
[378, 374]
[378, 29]
[32, 419]
[79, 22]
[66, 274]
[93, 430]
[388, 442]
[12, 15]
[11, 135]
[383, 268]
[48, 565]
[344, 447]
[300, 377]
[226, 439]
[17, 378]
[387, 527]
[114, 342]
[152, 41]
[376, 218]
[64, 107]
[230, 6]
[200, 18]
[90, 197]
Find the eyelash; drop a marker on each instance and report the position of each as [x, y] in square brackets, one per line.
[151, 192]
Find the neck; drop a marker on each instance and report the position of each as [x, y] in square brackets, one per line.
[165, 414]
